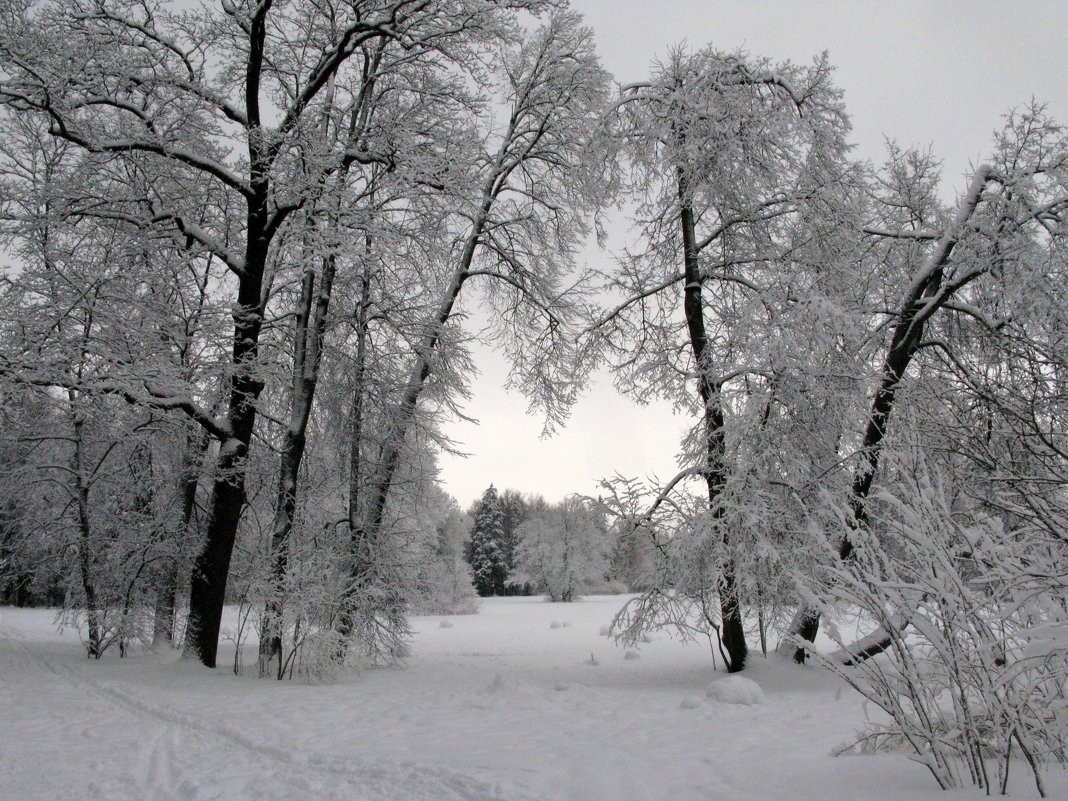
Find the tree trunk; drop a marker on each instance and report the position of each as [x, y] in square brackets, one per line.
[365, 520]
[715, 444]
[359, 566]
[163, 617]
[207, 592]
[167, 596]
[309, 333]
[925, 297]
[308, 339]
[285, 506]
[85, 545]
[356, 466]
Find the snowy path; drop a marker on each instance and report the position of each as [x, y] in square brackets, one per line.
[501, 705]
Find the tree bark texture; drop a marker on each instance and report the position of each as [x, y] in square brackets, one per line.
[207, 592]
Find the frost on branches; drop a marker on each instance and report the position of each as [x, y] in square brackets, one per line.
[738, 169]
[976, 624]
[562, 551]
[276, 256]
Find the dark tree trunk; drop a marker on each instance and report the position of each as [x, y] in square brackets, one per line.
[715, 445]
[85, 543]
[207, 592]
[926, 296]
[167, 596]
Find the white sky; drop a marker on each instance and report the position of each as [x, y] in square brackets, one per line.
[935, 73]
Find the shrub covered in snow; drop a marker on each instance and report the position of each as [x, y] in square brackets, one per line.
[563, 552]
[975, 630]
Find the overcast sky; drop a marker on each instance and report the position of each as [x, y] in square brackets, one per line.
[936, 73]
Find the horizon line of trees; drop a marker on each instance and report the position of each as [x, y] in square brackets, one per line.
[521, 545]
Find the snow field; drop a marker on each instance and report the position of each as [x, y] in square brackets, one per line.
[501, 705]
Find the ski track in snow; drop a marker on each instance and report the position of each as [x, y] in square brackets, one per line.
[165, 767]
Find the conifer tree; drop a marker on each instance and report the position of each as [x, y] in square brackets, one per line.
[487, 545]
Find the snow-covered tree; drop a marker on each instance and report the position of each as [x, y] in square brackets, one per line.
[630, 561]
[735, 164]
[487, 549]
[261, 137]
[563, 550]
[189, 92]
[511, 226]
[960, 334]
[445, 583]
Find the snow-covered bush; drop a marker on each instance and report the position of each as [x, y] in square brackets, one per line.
[975, 622]
[735, 690]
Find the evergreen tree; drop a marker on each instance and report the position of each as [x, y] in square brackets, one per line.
[488, 552]
[516, 510]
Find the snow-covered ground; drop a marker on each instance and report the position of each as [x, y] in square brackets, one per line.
[524, 700]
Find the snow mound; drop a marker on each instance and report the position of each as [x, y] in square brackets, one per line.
[690, 702]
[605, 631]
[630, 653]
[735, 690]
[445, 624]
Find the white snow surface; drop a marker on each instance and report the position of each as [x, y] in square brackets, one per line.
[499, 707]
